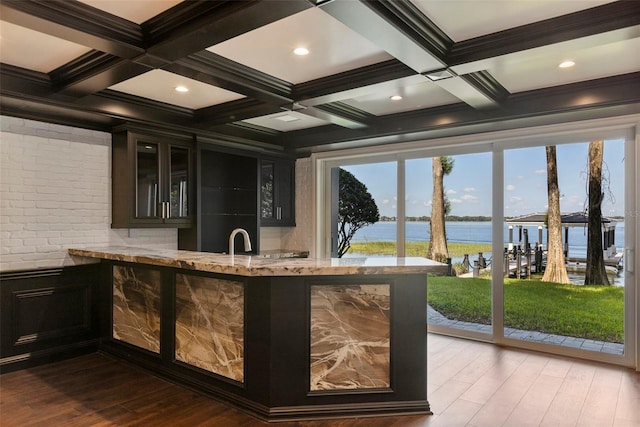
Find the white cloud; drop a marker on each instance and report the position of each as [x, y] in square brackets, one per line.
[428, 203]
[540, 172]
[511, 187]
[385, 202]
[520, 177]
[451, 192]
[515, 199]
[455, 201]
[469, 198]
[469, 189]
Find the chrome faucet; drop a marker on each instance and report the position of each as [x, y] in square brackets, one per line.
[247, 241]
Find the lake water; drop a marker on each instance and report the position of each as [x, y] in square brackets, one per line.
[479, 232]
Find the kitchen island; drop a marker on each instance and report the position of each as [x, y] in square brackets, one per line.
[282, 338]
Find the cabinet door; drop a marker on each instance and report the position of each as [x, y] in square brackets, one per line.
[267, 195]
[151, 177]
[285, 183]
[277, 186]
[148, 184]
[178, 182]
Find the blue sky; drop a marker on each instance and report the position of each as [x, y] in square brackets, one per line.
[468, 187]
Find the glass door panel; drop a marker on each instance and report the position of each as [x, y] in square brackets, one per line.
[448, 218]
[179, 178]
[365, 210]
[148, 180]
[564, 274]
[267, 201]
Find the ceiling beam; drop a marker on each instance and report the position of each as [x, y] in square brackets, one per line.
[233, 111]
[398, 27]
[216, 70]
[192, 26]
[349, 84]
[339, 114]
[93, 72]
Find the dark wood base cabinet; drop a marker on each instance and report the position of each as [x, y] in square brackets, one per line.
[47, 315]
[281, 348]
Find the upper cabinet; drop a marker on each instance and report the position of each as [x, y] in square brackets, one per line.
[151, 180]
[277, 192]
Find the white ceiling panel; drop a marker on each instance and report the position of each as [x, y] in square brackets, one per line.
[466, 19]
[160, 86]
[333, 47]
[287, 121]
[137, 11]
[602, 55]
[417, 92]
[35, 51]
[527, 72]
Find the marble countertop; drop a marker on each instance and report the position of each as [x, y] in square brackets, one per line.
[243, 265]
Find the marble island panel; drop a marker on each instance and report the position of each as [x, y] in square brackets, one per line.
[210, 324]
[243, 265]
[350, 333]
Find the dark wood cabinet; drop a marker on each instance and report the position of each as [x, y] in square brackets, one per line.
[277, 192]
[227, 198]
[151, 180]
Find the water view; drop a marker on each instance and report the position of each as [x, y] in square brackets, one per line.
[478, 232]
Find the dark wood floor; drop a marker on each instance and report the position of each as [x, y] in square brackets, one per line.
[98, 390]
[469, 384]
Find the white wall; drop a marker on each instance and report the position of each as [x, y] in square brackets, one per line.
[55, 193]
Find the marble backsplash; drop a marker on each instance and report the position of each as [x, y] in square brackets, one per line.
[350, 331]
[210, 324]
[136, 306]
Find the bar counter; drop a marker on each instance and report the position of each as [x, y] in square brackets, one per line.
[282, 338]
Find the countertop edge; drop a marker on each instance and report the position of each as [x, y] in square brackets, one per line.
[252, 266]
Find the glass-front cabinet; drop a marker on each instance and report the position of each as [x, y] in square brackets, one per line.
[277, 189]
[151, 181]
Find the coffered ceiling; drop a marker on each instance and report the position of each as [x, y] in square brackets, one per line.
[458, 66]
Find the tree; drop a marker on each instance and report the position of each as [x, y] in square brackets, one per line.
[556, 270]
[596, 273]
[438, 250]
[356, 209]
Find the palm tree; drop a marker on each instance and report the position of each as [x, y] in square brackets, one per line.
[438, 250]
[596, 273]
[556, 270]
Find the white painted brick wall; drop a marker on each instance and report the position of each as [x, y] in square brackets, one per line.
[55, 193]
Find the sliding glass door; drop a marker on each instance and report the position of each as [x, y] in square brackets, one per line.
[564, 283]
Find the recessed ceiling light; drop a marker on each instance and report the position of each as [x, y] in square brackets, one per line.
[566, 64]
[395, 98]
[287, 118]
[301, 51]
[182, 89]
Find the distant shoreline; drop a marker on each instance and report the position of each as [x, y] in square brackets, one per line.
[461, 219]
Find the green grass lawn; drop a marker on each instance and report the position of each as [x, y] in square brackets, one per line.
[417, 248]
[592, 312]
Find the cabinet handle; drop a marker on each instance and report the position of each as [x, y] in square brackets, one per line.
[165, 210]
[278, 213]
